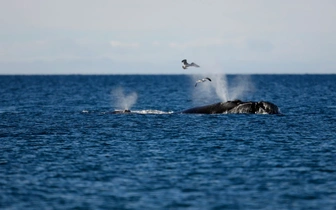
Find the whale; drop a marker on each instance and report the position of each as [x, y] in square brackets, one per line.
[228, 107]
[235, 107]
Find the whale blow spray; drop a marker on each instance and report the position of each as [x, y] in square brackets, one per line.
[220, 87]
[123, 101]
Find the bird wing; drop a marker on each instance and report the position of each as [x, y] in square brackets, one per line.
[198, 81]
[208, 79]
[194, 64]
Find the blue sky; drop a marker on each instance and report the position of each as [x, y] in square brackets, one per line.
[153, 36]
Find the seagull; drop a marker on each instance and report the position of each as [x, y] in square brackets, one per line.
[202, 80]
[186, 64]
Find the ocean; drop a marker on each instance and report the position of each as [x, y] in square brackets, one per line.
[62, 148]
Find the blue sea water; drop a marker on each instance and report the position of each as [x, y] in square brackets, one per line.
[61, 148]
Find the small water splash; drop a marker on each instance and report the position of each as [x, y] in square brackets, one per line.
[123, 101]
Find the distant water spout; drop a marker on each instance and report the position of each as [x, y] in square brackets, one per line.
[123, 101]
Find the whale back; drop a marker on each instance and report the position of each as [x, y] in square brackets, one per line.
[244, 108]
[266, 107]
[208, 109]
[236, 107]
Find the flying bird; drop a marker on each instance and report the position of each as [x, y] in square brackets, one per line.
[202, 80]
[185, 64]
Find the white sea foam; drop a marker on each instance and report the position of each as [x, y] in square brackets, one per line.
[150, 111]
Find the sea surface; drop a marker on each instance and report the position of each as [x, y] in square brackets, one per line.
[62, 148]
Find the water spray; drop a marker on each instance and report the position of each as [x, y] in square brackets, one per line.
[221, 88]
[123, 101]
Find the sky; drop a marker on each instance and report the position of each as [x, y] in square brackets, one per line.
[153, 36]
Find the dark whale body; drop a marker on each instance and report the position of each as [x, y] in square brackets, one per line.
[121, 111]
[236, 107]
[229, 107]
